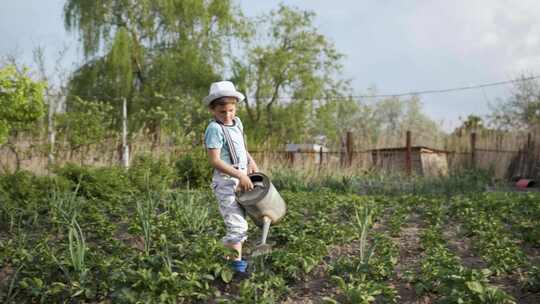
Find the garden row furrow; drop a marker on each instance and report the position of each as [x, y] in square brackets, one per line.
[499, 247]
[410, 254]
[443, 277]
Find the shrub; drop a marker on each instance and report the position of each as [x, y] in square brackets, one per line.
[151, 174]
[110, 184]
[193, 170]
[23, 186]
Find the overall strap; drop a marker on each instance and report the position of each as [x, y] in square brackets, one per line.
[232, 151]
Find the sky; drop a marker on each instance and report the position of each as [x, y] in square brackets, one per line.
[393, 46]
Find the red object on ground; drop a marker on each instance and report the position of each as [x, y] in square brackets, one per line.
[524, 183]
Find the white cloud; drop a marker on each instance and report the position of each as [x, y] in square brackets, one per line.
[507, 32]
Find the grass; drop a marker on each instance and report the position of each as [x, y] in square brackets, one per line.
[372, 183]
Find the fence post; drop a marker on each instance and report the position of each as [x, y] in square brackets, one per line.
[529, 169]
[51, 132]
[320, 158]
[349, 147]
[529, 142]
[408, 152]
[290, 158]
[473, 150]
[125, 147]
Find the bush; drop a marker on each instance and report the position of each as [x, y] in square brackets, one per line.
[23, 186]
[24, 197]
[151, 174]
[110, 184]
[193, 170]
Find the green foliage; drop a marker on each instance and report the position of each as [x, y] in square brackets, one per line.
[120, 65]
[372, 183]
[193, 170]
[442, 273]
[147, 173]
[102, 184]
[151, 49]
[25, 187]
[24, 198]
[146, 213]
[191, 216]
[21, 100]
[85, 123]
[521, 109]
[473, 123]
[162, 245]
[491, 240]
[285, 55]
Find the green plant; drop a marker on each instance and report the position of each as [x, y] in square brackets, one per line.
[106, 184]
[364, 292]
[21, 100]
[146, 209]
[147, 173]
[189, 209]
[192, 170]
[363, 222]
[77, 250]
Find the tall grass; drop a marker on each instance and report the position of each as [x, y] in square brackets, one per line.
[373, 183]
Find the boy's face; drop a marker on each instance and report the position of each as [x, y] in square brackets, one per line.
[225, 113]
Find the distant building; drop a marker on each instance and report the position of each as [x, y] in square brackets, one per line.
[424, 161]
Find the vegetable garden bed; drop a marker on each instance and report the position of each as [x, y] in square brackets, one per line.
[162, 246]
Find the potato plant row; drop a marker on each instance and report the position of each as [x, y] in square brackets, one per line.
[163, 246]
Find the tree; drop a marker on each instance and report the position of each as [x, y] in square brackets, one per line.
[21, 100]
[148, 52]
[473, 123]
[287, 67]
[87, 126]
[390, 118]
[521, 109]
[335, 117]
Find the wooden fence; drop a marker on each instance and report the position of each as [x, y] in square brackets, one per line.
[508, 157]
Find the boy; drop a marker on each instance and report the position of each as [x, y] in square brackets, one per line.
[227, 153]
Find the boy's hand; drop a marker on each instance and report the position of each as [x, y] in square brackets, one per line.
[252, 168]
[245, 183]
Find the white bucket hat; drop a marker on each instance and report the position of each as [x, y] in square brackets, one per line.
[222, 89]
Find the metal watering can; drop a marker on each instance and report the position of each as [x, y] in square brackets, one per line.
[264, 206]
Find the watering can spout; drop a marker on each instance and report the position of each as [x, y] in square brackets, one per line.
[263, 248]
[266, 226]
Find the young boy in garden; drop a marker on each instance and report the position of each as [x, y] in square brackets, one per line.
[224, 141]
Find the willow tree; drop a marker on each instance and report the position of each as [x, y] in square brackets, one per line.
[286, 68]
[148, 51]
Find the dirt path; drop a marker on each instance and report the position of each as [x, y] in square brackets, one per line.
[461, 246]
[319, 285]
[410, 254]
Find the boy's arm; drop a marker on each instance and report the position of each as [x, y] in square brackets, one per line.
[252, 165]
[216, 162]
